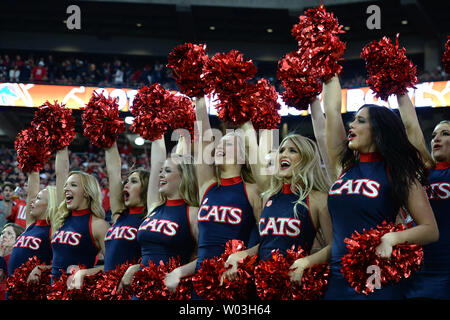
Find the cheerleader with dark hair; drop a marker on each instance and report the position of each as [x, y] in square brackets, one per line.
[376, 171]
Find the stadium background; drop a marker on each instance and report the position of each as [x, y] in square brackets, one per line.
[135, 37]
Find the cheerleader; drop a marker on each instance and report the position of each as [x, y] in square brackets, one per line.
[376, 171]
[230, 203]
[35, 241]
[169, 230]
[433, 280]
[295, 203]
[128, 203]
[79, 227]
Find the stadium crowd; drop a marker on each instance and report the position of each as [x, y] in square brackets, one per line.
[99, 70]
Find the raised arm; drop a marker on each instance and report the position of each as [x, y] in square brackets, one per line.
[204, 165]
[335, 130]
[258, 153]
[62, 171]
[319, 125]
[114, 169]
[33, 190]
[157, 158]
[413, 130]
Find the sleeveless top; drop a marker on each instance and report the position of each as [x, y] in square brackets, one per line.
[166, 233]
[280, 229]
[225, 214]
[121, 243]
[73, 243]
[35, 241]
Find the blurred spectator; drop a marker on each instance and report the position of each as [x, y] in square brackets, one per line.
[39, 72]
[135, 72]
[10, 232]
[18, 211]
[14, 73]
[7, 201]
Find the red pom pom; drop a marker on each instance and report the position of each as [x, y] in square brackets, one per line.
[317, 35]
[207, 279]
[108, 282]
[31, 154]
[148, 283]
[182, 114]
[302, 84]
[390, 71]
[18, 287]
[361, 254]
[226, 72]
[187, 61]
[265, 115]
[60, 290]
[273, 281]
[226, 75]
[55, 125]
[150, 108]
[101, 122]
[446, 56]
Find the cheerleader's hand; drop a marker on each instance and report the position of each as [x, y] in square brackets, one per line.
[297, 269]
[231, 265]
[76, 280]
[172, 279]
[384, 250]
[128, 277]
[35, 275]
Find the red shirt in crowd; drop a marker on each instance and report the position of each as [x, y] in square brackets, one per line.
[18, 213]
[39, 73]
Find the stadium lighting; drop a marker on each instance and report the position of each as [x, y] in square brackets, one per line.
[129, 120]
[269, 30]
[346, 28]
[212, 28]
[138, 25]
[139, 141]
[404, 21]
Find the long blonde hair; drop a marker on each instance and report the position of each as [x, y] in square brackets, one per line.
[92, 189]
[242, 149]
[307, 174]
[52, 203]
[188, 188]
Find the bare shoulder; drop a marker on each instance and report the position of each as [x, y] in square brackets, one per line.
[99, 224]
[252, 190]
[318, 199]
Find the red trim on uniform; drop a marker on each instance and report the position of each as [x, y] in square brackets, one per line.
[42, 223]
[286, 189]
[309, 212]
[91, 233]
[77, 213]
[442, 165]
[370, 157]
[230, 181]
[136, 210]
[174, 203]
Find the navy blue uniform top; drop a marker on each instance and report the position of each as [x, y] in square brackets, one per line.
[360, 199]
[35, 241]
[437, 254]
[166, 234]
[225, 214]
[121, 243]
[73, 243]
[280, 229]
